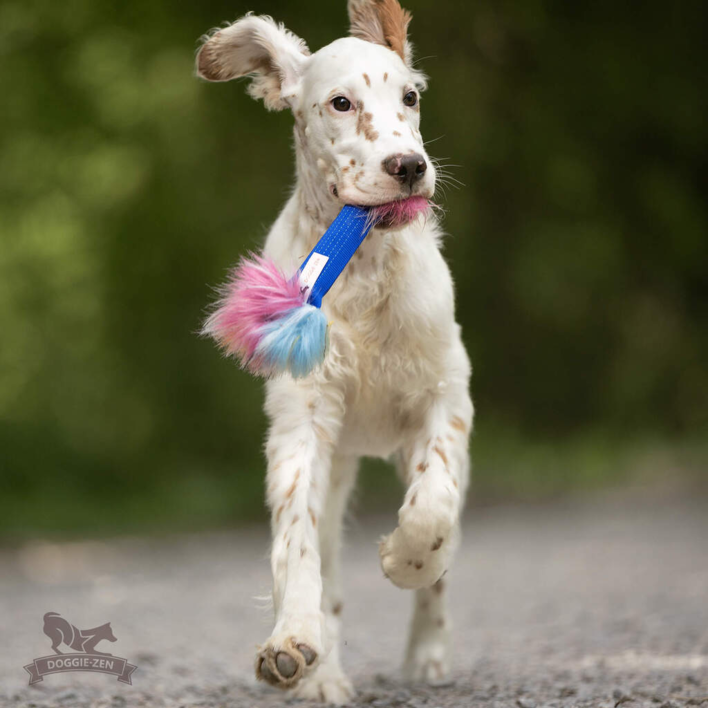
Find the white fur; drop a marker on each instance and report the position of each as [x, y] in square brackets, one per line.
[396, 377]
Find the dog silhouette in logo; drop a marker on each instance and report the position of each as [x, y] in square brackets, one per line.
[81, 640]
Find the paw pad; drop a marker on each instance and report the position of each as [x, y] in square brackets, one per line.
[283, 666]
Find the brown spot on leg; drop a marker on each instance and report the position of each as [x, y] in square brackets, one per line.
[332, 140]
[290, 491]
[296, 518]
[386, 77]
[313, 517]
[303, 550]
[321, 433]
[422, 466]
[412, 501]
[441, 453]
[418, 565]
[437, 543]
[352, 162]
[367, 79]
[458, 424]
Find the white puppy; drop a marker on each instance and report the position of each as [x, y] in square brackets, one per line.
[396, 376]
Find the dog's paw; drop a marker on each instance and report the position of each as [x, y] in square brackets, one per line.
[417, 554]
[327, 684]
[284, 660]
[428, 657]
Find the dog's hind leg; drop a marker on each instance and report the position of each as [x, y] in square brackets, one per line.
[428, 654]
[328, 683]
[305, 425]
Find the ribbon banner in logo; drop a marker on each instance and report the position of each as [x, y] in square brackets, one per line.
[96, 663]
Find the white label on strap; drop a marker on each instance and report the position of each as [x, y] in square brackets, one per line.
[313, 269]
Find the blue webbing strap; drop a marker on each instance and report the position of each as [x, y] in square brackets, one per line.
[333, 251]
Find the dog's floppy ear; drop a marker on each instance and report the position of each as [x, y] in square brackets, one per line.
[381, 22]
[257, 46]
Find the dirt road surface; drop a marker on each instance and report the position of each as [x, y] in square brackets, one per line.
[601, 604]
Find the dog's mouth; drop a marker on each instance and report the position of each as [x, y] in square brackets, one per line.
[399, 212]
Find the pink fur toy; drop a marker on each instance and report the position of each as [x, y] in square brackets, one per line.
[272, 322]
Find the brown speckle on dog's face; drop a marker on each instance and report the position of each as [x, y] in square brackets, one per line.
[365, 124]
[367, 79]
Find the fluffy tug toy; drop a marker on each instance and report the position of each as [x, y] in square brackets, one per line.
[273, 323]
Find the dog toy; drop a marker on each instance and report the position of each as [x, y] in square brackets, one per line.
[273, 323]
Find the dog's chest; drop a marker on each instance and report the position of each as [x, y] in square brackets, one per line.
[387, 343]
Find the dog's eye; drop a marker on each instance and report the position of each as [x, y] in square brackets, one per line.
[410, 99]
[341, 104]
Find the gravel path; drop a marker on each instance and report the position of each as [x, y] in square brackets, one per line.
[595, 604]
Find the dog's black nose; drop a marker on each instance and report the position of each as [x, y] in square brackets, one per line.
[408, 168]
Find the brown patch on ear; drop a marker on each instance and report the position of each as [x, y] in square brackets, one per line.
[364, 124]
[212, 68]
[381, 22]
[367, 79]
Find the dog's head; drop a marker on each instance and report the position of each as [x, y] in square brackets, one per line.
[356, 101]
[105, 631]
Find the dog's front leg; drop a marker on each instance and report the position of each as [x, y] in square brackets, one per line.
[435, 467]
[305, 423]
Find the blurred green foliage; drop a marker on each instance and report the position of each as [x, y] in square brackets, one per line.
[127, 187]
